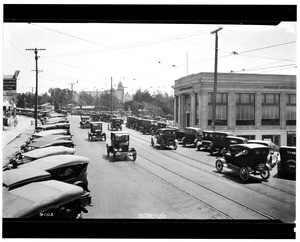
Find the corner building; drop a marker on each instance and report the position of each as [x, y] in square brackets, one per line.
[255, 106]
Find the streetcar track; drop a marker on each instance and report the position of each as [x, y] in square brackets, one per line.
[205, 187]
[204, 163]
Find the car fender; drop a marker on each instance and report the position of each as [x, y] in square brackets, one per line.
[132, 149]
[82, 185]
[268, 166]
[221, 159]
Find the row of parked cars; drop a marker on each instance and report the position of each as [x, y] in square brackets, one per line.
[45, 179]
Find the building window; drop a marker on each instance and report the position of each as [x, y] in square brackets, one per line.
[270, 109]
[221, 108]
[177, 109]
[245, 109]
[273, 138]
[196, 108]
[291, 109]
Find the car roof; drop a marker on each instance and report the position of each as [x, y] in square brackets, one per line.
[167, 128]
[94, 122]
[235, 137]
[250, 146]
[193, 128]
[17, 176]
[52, 137]
[120, 132]
[48, 151]
[36, 197]
[49, 142]
[55, 161]
[263, 142]
[50, 132]
[288, 147]
[52, 125]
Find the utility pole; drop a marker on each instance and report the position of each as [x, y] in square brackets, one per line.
[72, 96]
[111, 94]
[215, 80]
[36, 83]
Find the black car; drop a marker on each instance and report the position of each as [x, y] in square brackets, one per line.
[85, 122]
[219, 141]
[119, 146]
[115, 124]
[165, 137]
[192, 136]
[96, 132]
[286, 165]
[246, 159]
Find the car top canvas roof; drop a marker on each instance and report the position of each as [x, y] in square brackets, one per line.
[53, 137]
[44, 143]
[263, 142]
[17, 176]
[120, 132]
[49, 132]
[48, 151]
[53, 125]
[251, 146]
[37, 197]
[194, 128]
[55, 161]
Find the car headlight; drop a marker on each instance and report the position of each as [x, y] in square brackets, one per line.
[120, 149]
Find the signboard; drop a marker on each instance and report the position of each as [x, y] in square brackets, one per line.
[9, 85]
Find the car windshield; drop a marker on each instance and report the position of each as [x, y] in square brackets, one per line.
[121, 138]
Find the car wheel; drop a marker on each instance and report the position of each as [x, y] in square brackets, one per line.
[265, 174]
[244, 173]
[134, 156]
[219, 166]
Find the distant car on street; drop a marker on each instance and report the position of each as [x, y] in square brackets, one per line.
[286, 166]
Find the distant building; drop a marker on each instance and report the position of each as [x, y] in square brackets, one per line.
[255, 106]
[9, 97]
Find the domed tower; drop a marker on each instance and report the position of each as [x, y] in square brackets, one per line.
[120, 92]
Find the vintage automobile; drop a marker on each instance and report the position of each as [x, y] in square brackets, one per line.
[119, 146]
[50, 132]
[180, 133]
[45, 200]
[130, 122]
[165, 137]
[146, 125]
[137, 123]
[233, 140]
[156, 125]
[95, 117]
[95, 132]
[192, 136]
[207, 137]
[67, 168]
[273, 152]
[115, 124]
[246, 159]
[85, 122]
[22, 158]
[218, 141]
[286, 165]
[46, 143]
[45, 127]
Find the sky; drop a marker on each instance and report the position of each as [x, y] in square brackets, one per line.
[146, 56]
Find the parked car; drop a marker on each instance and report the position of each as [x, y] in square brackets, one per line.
[180, 132]
[233, 140]
[44, 200]
[218, 141]
[273, 152]
[67, 168]
[286, 165]
[119, 146]
[50, 132]
[22, 158]
[85, 122]
[115, 124]
[146, 125]
[46, 143]
[130, 122]
[156, 125]
[95, 132]
[246, 159]
[192, 136]
[95, 117]
[45, 127]
[207, 137]
[165, 137]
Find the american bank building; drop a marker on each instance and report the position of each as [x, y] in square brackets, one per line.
[254, 106]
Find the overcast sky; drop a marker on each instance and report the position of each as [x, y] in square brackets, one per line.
[147, 56]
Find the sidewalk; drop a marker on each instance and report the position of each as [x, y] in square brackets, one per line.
[11, 132]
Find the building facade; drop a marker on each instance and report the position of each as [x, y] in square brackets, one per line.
[255, 106]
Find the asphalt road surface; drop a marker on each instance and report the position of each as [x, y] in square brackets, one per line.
[176, 184]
